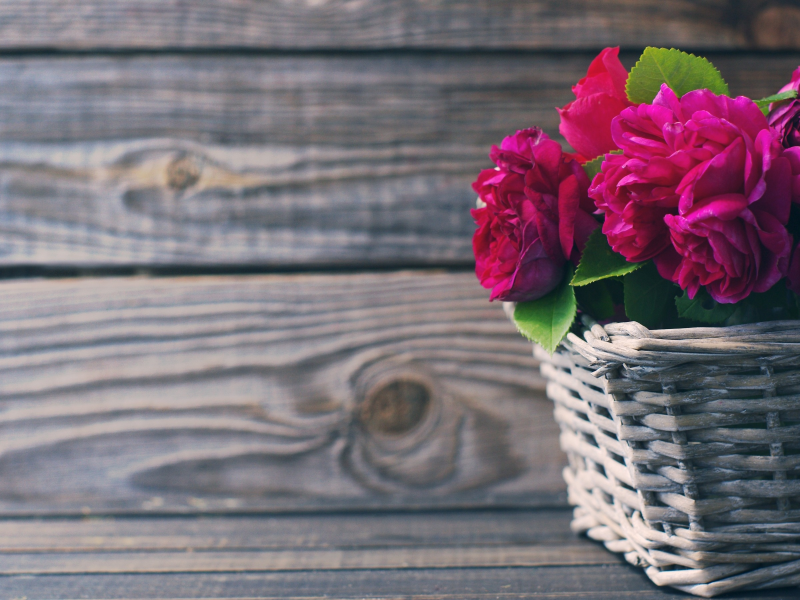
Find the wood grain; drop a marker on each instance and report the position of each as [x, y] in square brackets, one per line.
[137, 24]
[282, 162]
[346, 160]
[331, 100]
[170, 202]
[333, 542]
[430, 555]
[328, 100]
[267, 392]
[579, 582]
[446, 557]
[483, 528]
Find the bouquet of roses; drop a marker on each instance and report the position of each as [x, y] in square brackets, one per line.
[679, 206]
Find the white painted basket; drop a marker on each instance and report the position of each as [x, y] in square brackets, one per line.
[684, 449]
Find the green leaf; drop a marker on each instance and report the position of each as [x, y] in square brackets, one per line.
[682, 72]
[764, 103]
[599, 261]
[649, 297]
[592, 167]
[703, 308]
[547, 320]
[597, 299]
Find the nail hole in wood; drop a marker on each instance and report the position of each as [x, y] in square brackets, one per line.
[183, 172]
[396, 407]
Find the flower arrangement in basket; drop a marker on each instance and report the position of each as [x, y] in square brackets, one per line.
[657, 268]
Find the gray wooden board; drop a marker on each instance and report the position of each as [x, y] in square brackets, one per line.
[211, 561]
[267, 392]
[326, 99]
[313, 531]
[118, 203]
[575, 582]
[454, 554]
[397, 24]
[331, 100]
[346, 160]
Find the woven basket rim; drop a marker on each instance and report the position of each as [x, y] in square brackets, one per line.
[632, 344]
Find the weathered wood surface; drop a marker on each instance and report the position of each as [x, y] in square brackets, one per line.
[490, 528]
[333, 542]
[573, 582]
[347, 161]
[325, 24]
[212, 561]
[279, 392]
[168, 202]
[430, 555]
[339, 100]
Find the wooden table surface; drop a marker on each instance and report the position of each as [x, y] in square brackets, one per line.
[242, 350]
[459, 554]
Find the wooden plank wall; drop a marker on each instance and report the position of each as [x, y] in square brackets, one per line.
[235, 243]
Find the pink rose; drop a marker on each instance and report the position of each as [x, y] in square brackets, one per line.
[703, 188]
[785, 116]
[537, 215]
[635, 207]
[599, 97]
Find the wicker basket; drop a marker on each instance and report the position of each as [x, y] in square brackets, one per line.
[684, 449]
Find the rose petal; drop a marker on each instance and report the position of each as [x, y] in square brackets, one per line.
[568, 201]
[586, 123]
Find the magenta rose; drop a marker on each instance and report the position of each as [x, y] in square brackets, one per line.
[599, 97]
[635, 197]
[536, 216]
[784, 116]
[703, 188]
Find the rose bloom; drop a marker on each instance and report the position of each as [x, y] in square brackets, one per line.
[704, 188]
[536, 216]
[599, 97]
[785, 116]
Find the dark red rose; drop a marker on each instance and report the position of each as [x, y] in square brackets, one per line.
[599, 97]
[536, 216]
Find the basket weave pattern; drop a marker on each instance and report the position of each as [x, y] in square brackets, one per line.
[684, 449]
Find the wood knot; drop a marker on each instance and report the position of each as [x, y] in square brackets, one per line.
[184, 172]
[777, 27]
[395, 407]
